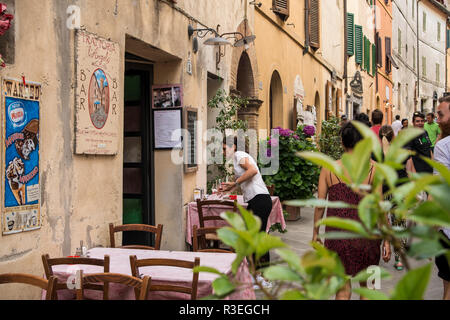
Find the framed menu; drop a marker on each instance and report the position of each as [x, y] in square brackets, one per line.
[190, 149]
[167, 134]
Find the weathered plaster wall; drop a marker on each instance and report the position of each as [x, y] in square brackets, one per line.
[82, 194]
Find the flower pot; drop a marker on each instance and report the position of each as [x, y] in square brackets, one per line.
[294, 213]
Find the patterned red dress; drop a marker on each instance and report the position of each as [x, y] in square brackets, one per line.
[355, 254]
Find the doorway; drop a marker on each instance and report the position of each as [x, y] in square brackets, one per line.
[276, 116]
[138, 158]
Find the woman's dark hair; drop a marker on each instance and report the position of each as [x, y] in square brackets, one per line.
[230, 141]
[350, 135]
[404, 120]
[386, 131]
[364, 118]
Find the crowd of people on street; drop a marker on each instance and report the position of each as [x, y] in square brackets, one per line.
[433, 143]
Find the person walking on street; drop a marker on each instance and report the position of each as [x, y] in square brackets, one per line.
[387, 135]
[355, 254]
[432, 128]
[377, 120]
[421, 146]
[405, 124]
[442, 155]
[397, 125]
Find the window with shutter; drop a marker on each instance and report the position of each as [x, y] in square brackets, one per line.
[374, 59]
[281, 7]
[366, 65]
[424, 22]
[438, 72]
[314, 23]
[388, 66]
[350, 34]
[439, 32]
[358, 44]
[448, 39]
[379, 51]
[424, 66]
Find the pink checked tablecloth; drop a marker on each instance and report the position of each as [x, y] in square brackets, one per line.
[120, 263]
[276, 216]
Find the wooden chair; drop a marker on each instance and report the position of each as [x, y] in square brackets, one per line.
[49, 263]
[48, 284]
[136, 264]
[200, 243]
[232, 205]
[138, 284]
[271, 189]
[136, 227]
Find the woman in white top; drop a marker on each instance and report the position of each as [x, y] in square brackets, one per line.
[248, 177]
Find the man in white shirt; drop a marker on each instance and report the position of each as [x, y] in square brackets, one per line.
[396, 125]
[442, 155]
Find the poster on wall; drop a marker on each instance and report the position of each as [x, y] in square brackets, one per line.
[20, 156]
[97, 126]
[167, 96]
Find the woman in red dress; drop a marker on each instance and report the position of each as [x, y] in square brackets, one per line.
[355, 254]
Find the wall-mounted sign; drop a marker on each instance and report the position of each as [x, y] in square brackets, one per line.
[20, 157]
[167, 96]
[167, 128]
[98, 96]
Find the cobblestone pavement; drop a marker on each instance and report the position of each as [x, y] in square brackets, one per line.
[300, 233]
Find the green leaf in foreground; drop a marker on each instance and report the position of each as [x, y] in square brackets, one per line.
[319, 203]
[371, 294]
[222, 286]
[413, 285]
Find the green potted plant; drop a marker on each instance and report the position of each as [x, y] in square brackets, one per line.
[296, 178]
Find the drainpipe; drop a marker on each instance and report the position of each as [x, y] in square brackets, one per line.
[376, 42]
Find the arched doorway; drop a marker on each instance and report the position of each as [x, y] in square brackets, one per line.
[276, 101]
[245, 84]
[317, 106]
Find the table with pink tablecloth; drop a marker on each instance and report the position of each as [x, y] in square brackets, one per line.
[120, 263]
[276, 215]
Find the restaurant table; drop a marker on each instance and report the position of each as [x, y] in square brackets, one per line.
[276, 215]
[120, 263]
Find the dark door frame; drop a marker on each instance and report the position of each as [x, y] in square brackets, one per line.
[145, 70]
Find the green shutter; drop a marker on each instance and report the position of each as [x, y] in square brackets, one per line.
[366, 54]
[350, 34]
[358, 44]
[448, 39]
[374, 60]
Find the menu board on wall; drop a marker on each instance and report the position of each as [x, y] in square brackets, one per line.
[167, 128]
[97, 126]
[20, 156]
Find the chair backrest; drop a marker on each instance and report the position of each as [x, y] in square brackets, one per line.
[271, 189]
[46, 284]
[136, 264]
[141, 284]
[49, 263]
[199, 242]
[202, 204]
[136, 227]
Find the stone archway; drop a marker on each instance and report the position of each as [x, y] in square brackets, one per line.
[243, 78]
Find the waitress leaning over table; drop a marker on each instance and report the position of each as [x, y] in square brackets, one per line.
[250, 180]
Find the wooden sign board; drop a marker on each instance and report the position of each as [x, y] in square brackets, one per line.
[97, 125]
